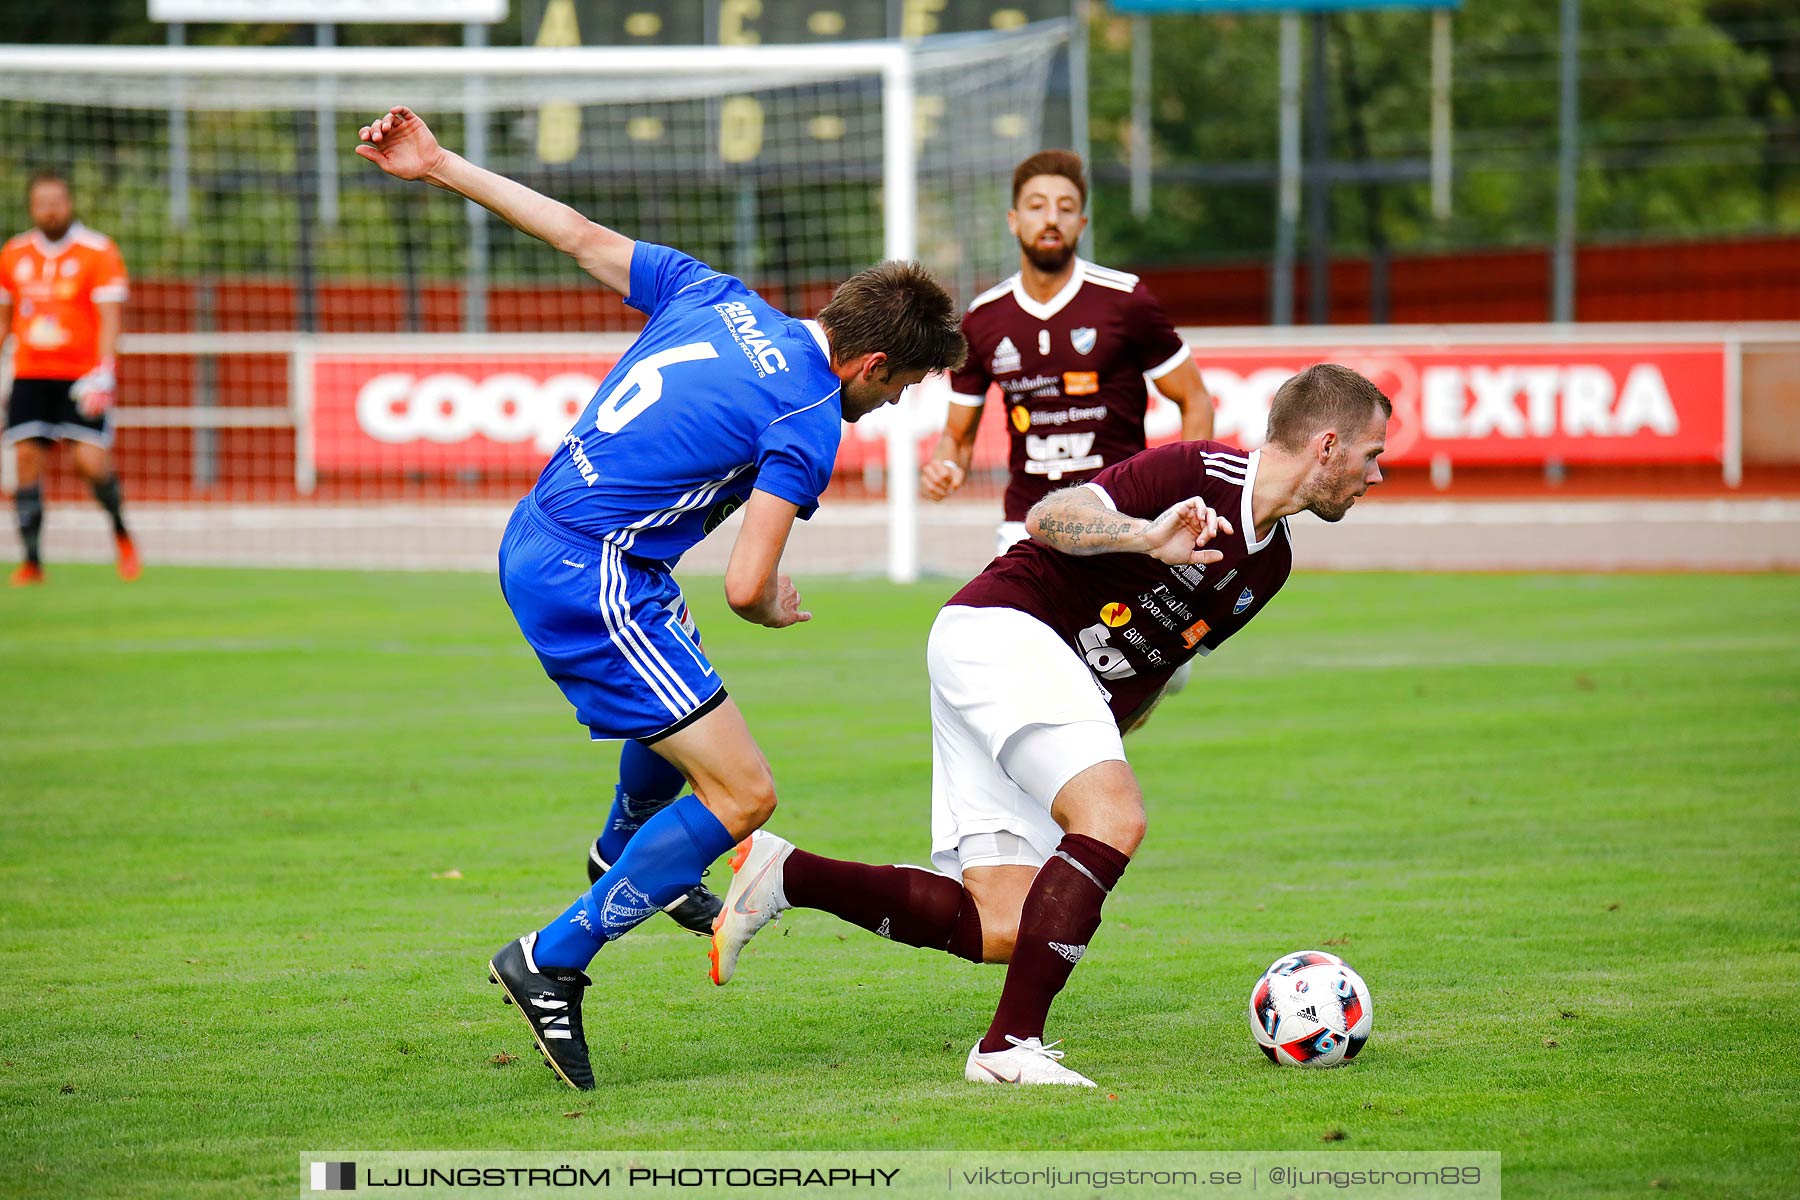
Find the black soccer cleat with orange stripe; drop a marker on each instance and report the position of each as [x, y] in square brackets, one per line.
[550, 1000]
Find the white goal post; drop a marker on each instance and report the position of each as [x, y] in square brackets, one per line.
[254, 237]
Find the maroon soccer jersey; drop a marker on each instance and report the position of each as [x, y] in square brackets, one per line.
[1132, 619]
[1071, 373]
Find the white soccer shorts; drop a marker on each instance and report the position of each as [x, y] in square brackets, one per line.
[1015, 715]
[1008, 535]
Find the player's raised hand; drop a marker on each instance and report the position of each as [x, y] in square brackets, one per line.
[1178, 536]
[787, 605]
[939, 478]
[400, 143]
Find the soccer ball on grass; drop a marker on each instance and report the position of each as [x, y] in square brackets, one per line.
[1310, 1010]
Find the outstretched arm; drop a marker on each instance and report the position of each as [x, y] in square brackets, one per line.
[1079, 521]
[400, 143]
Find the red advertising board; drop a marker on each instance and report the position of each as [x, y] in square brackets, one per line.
[423, 411]
[1511, 403]
[1515, 404]
[1503, 404]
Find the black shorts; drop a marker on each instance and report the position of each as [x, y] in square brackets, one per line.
[43, 408]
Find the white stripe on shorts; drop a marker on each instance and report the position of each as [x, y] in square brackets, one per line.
[615, 610]
[651, 654]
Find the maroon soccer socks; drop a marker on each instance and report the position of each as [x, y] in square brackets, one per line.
[902, 904]
[1061, 913]
[921, 908]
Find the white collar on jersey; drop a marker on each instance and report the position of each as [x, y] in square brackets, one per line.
[1056, 303]
[50, 249]
[1247, 516]
[818, 332]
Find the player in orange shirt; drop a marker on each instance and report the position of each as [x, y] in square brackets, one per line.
[62, 296]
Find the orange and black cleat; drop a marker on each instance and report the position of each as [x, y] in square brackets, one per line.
[28, 574]
[129, 566]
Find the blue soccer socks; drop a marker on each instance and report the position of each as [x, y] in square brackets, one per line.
[657, 868]
[647, 783]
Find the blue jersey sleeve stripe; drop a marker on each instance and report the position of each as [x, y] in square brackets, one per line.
[698, 282]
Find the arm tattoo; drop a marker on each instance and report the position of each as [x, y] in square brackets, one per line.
[1075, 521]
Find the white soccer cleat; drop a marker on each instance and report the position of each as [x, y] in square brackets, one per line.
[755, 898]
[1027, 1061]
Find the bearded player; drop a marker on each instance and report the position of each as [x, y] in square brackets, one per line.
[1070, 344]
[1036, 667]
[62, 293]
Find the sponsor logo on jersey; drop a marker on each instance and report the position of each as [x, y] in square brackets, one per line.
[1084, 339]
[584, 465]
[1060, 453]
[1190, 574]
[1081, 383]
[1244, 600]
[1042, 385]
[1148, 602]
[1174, 603]
[1021, 418]
[721, 512]
[762, 353]
[1134, 638]
[1095, 644]
[1116, 614]
[1065, 416]
[1190, 637]
[1006, 358]
[47, 333]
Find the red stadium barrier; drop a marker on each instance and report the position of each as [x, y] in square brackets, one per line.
[247, 416]
[1491, 404]
[446, 411]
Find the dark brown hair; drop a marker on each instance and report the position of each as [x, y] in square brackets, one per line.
[898, 309]
[1066, 163]
[1324, 396]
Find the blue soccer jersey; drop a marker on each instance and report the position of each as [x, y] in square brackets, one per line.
[719, 394]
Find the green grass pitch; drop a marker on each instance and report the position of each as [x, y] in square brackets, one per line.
[261, 830]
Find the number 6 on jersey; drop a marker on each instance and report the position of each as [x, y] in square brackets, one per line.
[643, 385]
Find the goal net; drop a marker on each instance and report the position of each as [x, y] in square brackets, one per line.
[325, 366]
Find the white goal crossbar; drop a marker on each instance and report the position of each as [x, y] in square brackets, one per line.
[579, 74]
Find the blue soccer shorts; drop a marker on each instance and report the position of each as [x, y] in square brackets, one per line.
[612, 630]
